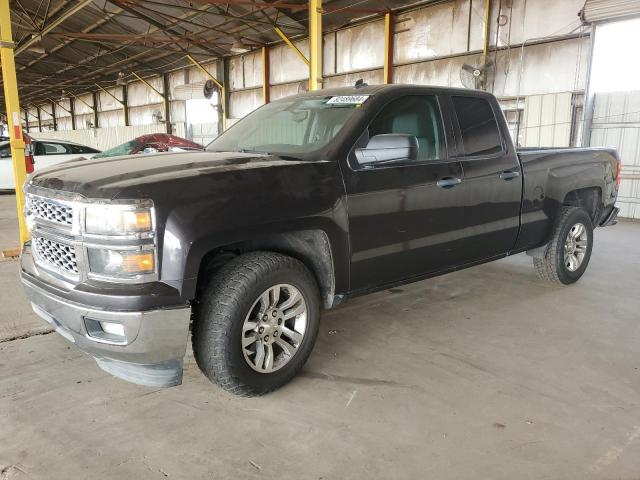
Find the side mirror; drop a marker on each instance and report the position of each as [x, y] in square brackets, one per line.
[388, 147]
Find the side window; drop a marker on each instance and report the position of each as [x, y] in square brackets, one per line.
[77, 149]
[54, 149]
[5, 151]
[417, 115]
[478, 126]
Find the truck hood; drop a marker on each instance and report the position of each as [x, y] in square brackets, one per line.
[110, 177]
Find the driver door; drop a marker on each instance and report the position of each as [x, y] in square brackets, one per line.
[404, 217]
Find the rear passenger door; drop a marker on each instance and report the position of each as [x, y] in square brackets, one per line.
[492, 180]
[402, 223]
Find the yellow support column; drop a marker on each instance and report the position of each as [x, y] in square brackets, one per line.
[315, 44]
[388, 48]
[13, 113]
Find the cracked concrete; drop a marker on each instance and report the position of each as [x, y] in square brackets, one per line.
[484, 373]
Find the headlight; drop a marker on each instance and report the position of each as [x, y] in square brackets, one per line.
[121, 263]
[117, 220]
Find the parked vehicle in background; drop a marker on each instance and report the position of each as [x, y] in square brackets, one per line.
[152, 143]
[305, 202]
[40, 154]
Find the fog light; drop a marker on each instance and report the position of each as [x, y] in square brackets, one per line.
[105, 332]
[112, 328]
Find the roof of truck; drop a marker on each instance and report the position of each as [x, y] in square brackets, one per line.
[377, 89]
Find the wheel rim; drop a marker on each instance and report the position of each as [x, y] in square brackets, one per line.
[575, 247]
[274, 328]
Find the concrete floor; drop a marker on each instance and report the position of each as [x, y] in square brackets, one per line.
[485, 373]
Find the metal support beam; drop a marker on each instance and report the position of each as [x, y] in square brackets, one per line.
[26, 122]
[94, 96]
[292, 46]
[225, 95]
[125, 104]
[51, 25]
[39, 118]
[221, 86]
[388, 47]
[72, 111]
[167, 106]
[266, 87]
[53, 116]
[12, 104]
[315, 45]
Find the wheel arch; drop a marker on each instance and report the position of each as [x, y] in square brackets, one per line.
[312, 247]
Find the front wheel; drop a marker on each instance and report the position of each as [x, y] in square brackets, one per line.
[257, 323]
[567, 255]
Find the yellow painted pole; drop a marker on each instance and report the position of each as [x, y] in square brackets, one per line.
[223, 99]
[315, 45]
[487, 18]
[388, 48]
[13, 113]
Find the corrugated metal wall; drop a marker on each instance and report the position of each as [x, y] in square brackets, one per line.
[616, 122]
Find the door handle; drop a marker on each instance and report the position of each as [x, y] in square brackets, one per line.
[509, 175]
[448, 182]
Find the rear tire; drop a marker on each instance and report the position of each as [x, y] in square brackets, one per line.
[567, 255]
[256, 324]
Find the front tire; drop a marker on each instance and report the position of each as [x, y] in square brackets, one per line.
[567, 255]
[257, 322]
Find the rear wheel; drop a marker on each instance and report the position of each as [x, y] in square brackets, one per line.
[567, 255]
[257, 323]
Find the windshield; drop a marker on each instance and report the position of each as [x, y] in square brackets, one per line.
[122, 149]
[295, 126]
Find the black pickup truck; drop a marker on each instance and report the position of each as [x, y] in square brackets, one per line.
[306, 202]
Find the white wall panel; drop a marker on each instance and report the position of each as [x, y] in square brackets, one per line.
[437, 31]
[244, 102]
[81, 104]
[285, 90]
[373, 77]
[444, 72]
[534, 19]
[140, 94]
[195, 75]
[547, 120]
[144, 115]
[286, 65]
[545, 68]
[360, 47]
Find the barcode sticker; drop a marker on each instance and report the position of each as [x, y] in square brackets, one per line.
[348, 100]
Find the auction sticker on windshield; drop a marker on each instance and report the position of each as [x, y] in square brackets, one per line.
[348, 100]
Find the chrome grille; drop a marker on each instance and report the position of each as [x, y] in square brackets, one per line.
[51, 211]
[57, 255]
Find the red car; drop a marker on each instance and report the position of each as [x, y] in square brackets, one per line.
[152, 143]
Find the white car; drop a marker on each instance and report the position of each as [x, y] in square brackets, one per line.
[45, 154]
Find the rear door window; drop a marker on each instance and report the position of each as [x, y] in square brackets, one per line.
[54, 149]
[478, 126]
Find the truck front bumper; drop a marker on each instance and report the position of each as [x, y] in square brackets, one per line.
[143, 347]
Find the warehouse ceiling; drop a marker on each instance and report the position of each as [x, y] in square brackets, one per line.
[74, 44]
